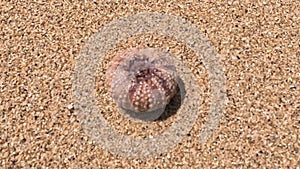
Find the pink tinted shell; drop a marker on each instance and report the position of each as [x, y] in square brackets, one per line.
[141, 80]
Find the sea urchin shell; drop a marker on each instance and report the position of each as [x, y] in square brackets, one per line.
[141, 80]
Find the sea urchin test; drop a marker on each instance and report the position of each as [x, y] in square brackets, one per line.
[142, 81]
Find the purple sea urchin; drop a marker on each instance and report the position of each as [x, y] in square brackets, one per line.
[141, 80]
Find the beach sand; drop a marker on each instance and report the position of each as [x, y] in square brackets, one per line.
[258, 44]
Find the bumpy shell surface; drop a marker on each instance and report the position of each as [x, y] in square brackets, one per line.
[141, 80]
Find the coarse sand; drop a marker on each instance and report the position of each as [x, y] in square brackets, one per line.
[258, 43]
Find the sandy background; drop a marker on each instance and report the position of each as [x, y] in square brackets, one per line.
[259, 44]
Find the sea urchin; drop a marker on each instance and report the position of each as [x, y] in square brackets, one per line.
[142, 80]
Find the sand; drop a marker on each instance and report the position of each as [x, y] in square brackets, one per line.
[258, 44]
